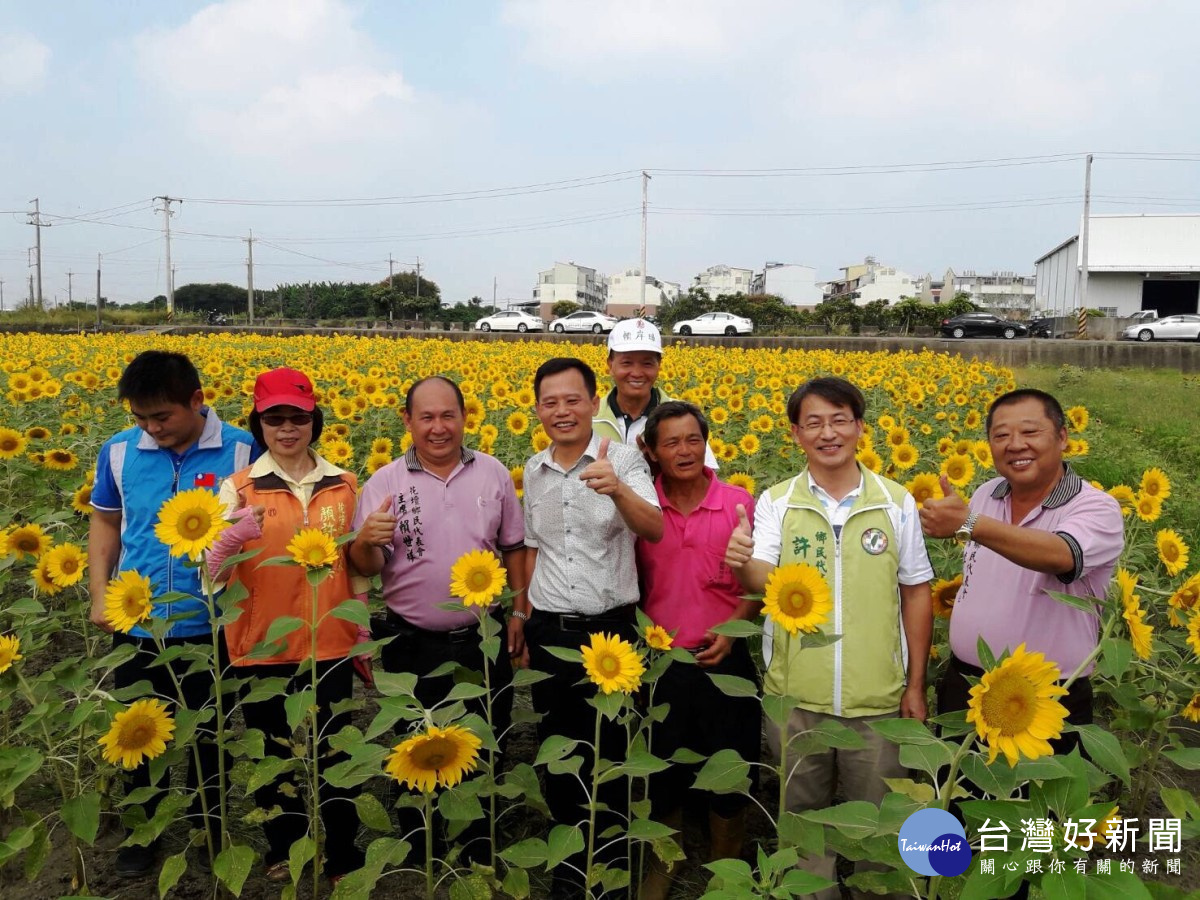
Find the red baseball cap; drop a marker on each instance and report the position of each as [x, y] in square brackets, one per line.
[283, 387]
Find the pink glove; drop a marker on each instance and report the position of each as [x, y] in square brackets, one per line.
[244, 528]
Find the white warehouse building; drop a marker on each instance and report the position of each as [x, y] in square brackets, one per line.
[795, 284]
[1135, 262]
[625, 293]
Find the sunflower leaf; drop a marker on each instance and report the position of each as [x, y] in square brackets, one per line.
[566, 654]
[1185, 758]
[524, 677]
[173, 868]
[352, 611]
[738, 628]
[563, 841]
[1105, 751]
[987, 659]
[232, 865]
[725, 772]
[82, 816]
[282, 627]
[1088, 605]
[905, 731]
[527, 853]
[733, 686]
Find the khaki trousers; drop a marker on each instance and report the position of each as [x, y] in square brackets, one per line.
[850, 774]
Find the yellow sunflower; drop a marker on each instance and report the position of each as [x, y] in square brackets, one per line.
[517, 474]
[37, 433]
[870, 459]
[1193, 638]
[517, 423]
[138, 733]
[612, 663]
[437, 756]
[983, 453]
[1172, 550]
[382, 445]
[81, 500]
[958, 469]
[540, 441]
[65, 564]
[750, 444]
[42, 581]
[477, 578]
[377, 461]
[338, 451]
[1155, 483]
[797, 598]
[1192, 710]
[12, 443]
[1123, 494]
[657, 638]
[61, 460]
[1185, 601]
[1015, 707]
[10, 646]
[28, 540]
[313, 549]
[1077, 417]
[945, 592]
[127, 600]
[897, 436]
[923, 487]
[1148, 507]
[742, 480]
[720, 415]
[1141, 635]
[190, 522]
[905, 456]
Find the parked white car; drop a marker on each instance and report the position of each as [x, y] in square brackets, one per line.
[714, 323]
[584, 320]
[510, 320]
[1172, 328]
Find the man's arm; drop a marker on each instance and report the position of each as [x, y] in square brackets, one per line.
[719, 645]
[104, 549]
[518, 580]
[916, 611]
[751, 573]
[643, 518]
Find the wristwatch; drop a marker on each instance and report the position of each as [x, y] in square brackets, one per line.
[964, 532]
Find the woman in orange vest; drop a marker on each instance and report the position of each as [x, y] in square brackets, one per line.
[292, 487]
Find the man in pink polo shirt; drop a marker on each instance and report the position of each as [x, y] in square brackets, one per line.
[688, 589]
[416, 516]
[1038, 527]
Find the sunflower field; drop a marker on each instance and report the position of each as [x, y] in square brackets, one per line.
[66, 736]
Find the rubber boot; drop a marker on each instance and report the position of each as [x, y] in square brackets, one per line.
[726, 836]
[657, 883]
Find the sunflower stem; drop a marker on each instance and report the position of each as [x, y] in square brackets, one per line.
[487, 687]
[219, 701]
[316, 747]
[1091, 657]
[428, 795]
[591, 842]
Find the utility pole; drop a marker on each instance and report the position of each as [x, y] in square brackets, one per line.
[31, 289]
[250, 277]
[391, 268]
[166, 211]
[1, 295]
[98, 292]
[645, 204]
[494, 281]
[1083, 235]
[38, 224]
[70, 293]
[418, 281]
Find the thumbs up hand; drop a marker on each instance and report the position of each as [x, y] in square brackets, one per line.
[380, 526]
[940, 518]
[740, 548]
[600, 475]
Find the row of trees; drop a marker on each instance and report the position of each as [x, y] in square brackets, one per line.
[771, 315]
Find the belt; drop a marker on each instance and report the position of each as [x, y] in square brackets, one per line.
[453, 636]
[622, 615]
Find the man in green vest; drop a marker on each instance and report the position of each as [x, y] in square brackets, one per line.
[861, 532]
[634, 357]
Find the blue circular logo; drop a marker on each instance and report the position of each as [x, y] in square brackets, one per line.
[933, 842]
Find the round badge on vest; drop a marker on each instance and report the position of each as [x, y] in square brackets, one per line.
[875, 541]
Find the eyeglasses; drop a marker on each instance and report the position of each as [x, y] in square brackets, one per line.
[275, 420]
[838, 423]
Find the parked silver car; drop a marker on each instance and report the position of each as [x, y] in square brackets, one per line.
[1172, 328]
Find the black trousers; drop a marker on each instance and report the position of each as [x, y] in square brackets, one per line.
[562, 702]
[339, 818]
[197, 690]
[704, 719]
[419, 652]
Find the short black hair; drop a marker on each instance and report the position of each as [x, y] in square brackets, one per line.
[159, 375]
[254, 423]
[561, 364]
[672, 409]
[458, 394]
[837, 391]
[1054, 410]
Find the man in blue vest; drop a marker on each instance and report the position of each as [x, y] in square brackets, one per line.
[177, 444]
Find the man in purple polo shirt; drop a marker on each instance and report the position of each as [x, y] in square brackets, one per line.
[416, 517]
[688, 589]
[1037, 528]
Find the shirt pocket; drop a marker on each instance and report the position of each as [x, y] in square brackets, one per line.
[717, 575]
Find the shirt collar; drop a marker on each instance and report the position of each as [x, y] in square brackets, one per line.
[267, 465]
[819, 491]
[712, 496]
[1067, 488]
[210, 435]
[465, 456]
[655, 399]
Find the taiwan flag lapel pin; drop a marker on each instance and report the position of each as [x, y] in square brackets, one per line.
[206, 479]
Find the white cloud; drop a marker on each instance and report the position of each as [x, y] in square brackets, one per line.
[260, 76]
[23, 60]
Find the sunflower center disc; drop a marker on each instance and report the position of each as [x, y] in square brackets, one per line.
[1009, 704]
[796, 602]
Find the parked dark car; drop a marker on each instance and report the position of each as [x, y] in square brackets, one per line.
[980, 324]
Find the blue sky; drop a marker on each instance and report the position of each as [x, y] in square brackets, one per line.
[271, 102]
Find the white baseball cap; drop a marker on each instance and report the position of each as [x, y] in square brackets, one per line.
[635, 334]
